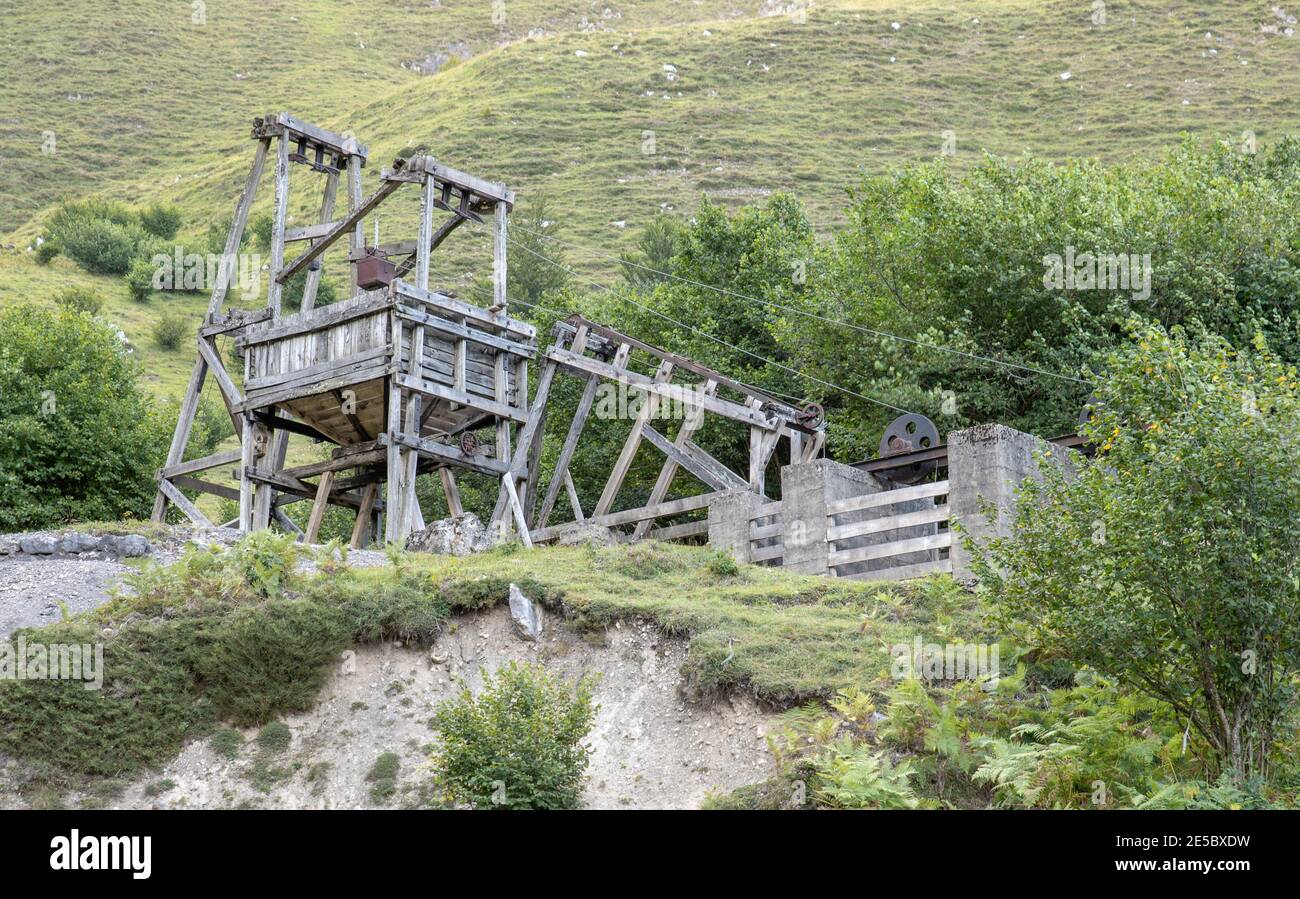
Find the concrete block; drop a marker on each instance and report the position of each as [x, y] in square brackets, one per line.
[986, 464]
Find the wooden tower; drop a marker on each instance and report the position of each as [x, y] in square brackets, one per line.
[397, 376]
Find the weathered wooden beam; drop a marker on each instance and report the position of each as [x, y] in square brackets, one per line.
[318, 508]
[326, 213]
[699, 463]
[181, 436]
[213, 461]
[364, 511]
[346, 226]
[337, 144]
[693, 422]
[725, 408]
[446, 452]
[182, 502]
[633, 442]
[579, 421]
[451, 305]
[630, 516]
[451, 491]
[279, 218]
[236, 234]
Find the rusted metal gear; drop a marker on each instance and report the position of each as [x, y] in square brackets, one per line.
[811, 416]
[468, 443]
[905, 434]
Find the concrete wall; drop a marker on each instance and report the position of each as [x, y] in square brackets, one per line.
[729, 516]
[986, 464]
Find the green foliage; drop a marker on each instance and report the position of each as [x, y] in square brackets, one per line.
[226, 742]
[78, 439]
[534, 260]
[161, 220]
[139, 280]
[963, 262]
[80, 299]
[851, 776]
[101, 236]
[518, 744]
[656, 247]
[383, 777]
[170, 329]
[275, 737]
[47, 250]
[1168, 560]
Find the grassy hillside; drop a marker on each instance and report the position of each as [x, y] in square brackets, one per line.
[741, 102]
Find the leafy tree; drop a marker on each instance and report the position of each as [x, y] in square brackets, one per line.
[961, 261]
[534, 268]
[656, 246]
[1170, 560]
[80, 299]
[78, 440]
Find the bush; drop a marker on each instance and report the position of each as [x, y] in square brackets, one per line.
[1168, 561]
[518, 744]
[161, 221]
[80, 299]
[46, 251]
[170, 329]
[79, 439]
[139, 280]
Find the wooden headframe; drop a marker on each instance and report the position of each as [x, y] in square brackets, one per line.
[396, 377]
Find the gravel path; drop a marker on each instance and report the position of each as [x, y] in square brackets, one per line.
[33, 586]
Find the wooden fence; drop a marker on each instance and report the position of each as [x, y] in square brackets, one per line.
[869, 540]
[766, 535]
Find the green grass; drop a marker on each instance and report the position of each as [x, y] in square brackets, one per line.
[759, 103]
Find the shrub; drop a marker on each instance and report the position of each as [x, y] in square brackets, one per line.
[1168, 561]
[271, 658]
[518, 744]
[161, 220]
[80, 299]
[170, 329]
[139, 280]
[46, 251]
[383, 777]
[79, 439]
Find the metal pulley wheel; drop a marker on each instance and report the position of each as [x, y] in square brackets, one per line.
[468, 443]
[905, 434]
[811, 416]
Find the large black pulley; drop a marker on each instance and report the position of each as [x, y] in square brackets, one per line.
[906, 434]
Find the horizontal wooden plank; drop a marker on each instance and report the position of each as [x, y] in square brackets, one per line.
[277, 395]
[316, 320]
[453, 306]
[453, 454]
[887, 523]
[320, 371]
[308, 232]
[473, 400]
[887, 498]
[889, 550]
[903, 572]
[767, 530]
[203, 464]
[679, 531]
[765, 553]
[631, 516]
[472, 335]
